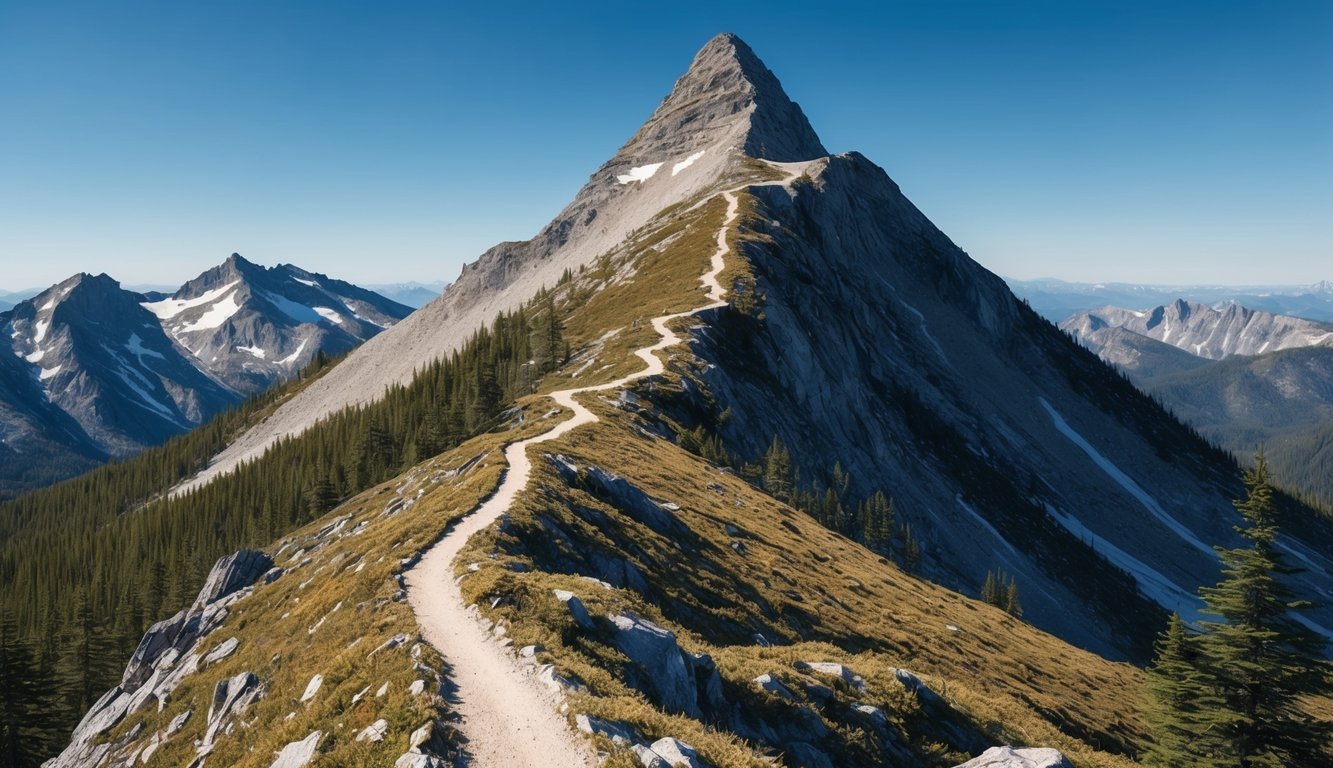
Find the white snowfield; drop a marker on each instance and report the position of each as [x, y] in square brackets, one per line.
[1126, 482]
[169, 308]
[639, 173]
[509, 721]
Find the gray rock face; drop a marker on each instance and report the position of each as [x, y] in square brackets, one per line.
[662, 666]
[623, 495]
[298, 754]
[885, 348]
[1008, 757]
[168, 654]
[239, 569]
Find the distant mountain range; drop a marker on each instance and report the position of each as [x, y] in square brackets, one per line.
[412, 294]
[1056, 300]
[1242, 377]
[100, 372]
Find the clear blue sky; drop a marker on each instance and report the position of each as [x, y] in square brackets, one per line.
[1122, 140]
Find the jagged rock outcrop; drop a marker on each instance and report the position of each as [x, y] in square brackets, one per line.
[298, 754]
[168, 653]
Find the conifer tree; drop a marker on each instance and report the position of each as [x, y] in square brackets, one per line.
[1179, 703]
[1258, 659]
[777, 477]
[21, 710]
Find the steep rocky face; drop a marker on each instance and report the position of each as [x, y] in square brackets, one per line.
[884, 348]
[103, 360]
[252, 326]
[726, 107]
[1201, 330]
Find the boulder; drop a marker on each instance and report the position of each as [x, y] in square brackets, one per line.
[648, 758]
[298, 754]
[223, 650]
[576, 608]
[774, 686]
[662, 666]
[1008, 757]
[375, 731]
[419, 760]
[843, 673]
[929, 700]
[312, 687]
[678, 754]
[620, 734]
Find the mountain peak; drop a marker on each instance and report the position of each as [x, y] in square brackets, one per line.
[729, 97]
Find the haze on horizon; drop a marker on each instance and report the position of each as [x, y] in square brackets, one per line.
[1169, 142]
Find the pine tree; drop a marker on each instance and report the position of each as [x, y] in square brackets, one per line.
[21, 712]
[1258, 658]
[990, 590]
[1011, 604]
[1179, 703]
[777, 477]
[910, 549]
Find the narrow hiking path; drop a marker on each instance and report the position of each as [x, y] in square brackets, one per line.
[508, 718]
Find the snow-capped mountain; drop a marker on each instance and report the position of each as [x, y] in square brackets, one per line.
[101, 372]
[95, 354]
[885, 349]
[1241, 377]
[252, 326]
[1202, 331]
[1056, 300]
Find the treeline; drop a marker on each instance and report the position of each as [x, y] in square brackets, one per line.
[86, 566]
[1227, 693]
[871, 521]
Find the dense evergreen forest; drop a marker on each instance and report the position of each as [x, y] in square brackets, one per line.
[86, 566]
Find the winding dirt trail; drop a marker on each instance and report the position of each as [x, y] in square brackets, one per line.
[510, 719]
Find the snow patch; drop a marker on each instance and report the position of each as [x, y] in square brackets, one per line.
[42, 327]
[639, 173]
[329, 314]
[288, 360]
[214, 316]
[1152, 584]
[1126, 482]
[298, 312]
[256, 351]
[310, 283]
[49, 372]
[136, 348]
[686, 163]
[35, 356]
[169, 308]
[50, 304]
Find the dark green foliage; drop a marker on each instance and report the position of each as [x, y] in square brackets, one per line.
[1236, 686]
[25, 707]
[86, 565]
[1001, 590]
[1179, 702]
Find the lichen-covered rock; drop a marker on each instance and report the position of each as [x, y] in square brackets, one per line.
[1009, 757]
[832, 669]
[312, 687]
